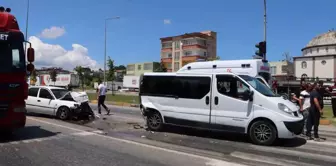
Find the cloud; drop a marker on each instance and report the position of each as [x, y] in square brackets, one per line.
[166, 21]
[52, 32]
[48, 55]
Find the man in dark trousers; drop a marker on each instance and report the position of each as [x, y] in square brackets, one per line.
[333, 99]
[315, 112]
[101, 95]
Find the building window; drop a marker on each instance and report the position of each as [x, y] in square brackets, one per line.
[148, 66]
[205, 54]
[166, 45]
[139, 67]
[303, 64]
[304, 76]
[170, 55]
[177, 56]
[130, 67]
[323, 62]
[273, 70]
[176, 66]
[317, 50]
[187, 53]
[327, 49]
[311, 51]
[177, 44]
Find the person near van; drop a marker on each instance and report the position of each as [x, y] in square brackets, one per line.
[305, 103]
[101, 95]
[333, 99]
[315, 112]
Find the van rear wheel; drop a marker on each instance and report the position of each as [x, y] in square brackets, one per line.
[154, 121]
[262, 133]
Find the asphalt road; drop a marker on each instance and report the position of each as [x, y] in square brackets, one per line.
[46, 141]
[120, 139]
[125, 122]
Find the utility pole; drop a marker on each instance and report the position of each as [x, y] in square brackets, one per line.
[288, 61]
[27, 19]
[265, 26]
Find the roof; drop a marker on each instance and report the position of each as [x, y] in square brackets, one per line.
[47, 87]
[186, 35]
[328, 38]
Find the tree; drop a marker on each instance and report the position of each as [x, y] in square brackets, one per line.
[33, 77]
[161, 68]
[80, 73]
[111, 69]
[120, 67]
[53, 75]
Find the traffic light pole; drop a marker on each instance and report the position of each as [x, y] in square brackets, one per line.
[265, 22]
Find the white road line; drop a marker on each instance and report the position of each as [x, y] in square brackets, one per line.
[211, 161]
[267, 160]
[323, 143]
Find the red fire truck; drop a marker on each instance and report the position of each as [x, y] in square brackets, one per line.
[13, 73]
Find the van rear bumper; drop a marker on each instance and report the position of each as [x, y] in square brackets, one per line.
[288, 130]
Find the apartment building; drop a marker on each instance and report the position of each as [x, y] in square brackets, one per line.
[137, 69]
[177, 51]
[281, 69]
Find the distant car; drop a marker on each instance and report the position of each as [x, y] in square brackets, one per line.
[55, 101]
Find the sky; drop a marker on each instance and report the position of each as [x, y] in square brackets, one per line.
[67, 33]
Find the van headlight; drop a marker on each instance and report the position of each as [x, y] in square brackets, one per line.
[284, 108]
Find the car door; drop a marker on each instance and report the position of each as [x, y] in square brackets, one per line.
[31, 102]
[231, 111]
[45, 102]
[191, 104]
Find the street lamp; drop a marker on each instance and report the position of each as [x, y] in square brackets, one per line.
[111, 18]
[27, 17]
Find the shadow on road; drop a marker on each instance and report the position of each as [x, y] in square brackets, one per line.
[235, 137]
[27, 133]
[75, 120]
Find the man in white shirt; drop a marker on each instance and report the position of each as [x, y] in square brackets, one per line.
[305, 101]
[101, 95]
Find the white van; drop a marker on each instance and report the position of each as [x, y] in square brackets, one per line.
[253, 67]
[218, 101]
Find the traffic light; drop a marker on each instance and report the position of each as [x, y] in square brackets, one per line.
[261, 49]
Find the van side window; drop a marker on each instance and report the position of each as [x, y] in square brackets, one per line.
[157, 85]
[231, 86]
[259, 79]
[192, 87]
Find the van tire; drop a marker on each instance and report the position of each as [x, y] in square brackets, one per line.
[63, 113]
[268, 133]
[154, 121]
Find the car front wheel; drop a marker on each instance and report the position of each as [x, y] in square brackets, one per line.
[63, 113]
[262, 133]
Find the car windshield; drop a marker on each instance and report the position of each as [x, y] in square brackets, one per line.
[258, 86]
[12, 57]
[59, 93]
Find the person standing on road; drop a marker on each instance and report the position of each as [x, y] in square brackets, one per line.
[315, 112]
[333, 99]
[101, 95]
[305, 103]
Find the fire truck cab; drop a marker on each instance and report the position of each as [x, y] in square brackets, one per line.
[13, 72]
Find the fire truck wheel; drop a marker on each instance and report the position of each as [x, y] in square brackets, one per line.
[63, 113]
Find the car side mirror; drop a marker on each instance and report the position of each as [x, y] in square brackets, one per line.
[248, 95]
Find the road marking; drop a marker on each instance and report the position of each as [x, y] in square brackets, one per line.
[210, 162]
[267, 160]
[323, 143]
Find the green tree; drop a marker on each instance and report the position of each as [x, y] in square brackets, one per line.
[120, 67]
[161, 68]
[111, 69]
[212, 58]
[80, 73]
[53, 75]
[33, 77]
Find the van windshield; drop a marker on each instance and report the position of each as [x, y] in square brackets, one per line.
[258, 86]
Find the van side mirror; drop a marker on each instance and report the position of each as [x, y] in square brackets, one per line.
[248, 95]
[30, 54]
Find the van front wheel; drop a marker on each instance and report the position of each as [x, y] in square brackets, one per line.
[154, 121]
[262, 133]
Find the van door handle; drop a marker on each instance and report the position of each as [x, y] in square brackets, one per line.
[216, 100]
[207, 100]
[38, 100]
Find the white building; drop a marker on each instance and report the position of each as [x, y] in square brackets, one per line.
[318, 58]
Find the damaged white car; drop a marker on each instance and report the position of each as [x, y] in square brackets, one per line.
[57, 102]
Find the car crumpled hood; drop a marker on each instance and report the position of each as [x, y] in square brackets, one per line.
[80, 97]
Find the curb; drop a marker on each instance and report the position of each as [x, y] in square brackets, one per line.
[123, 104]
